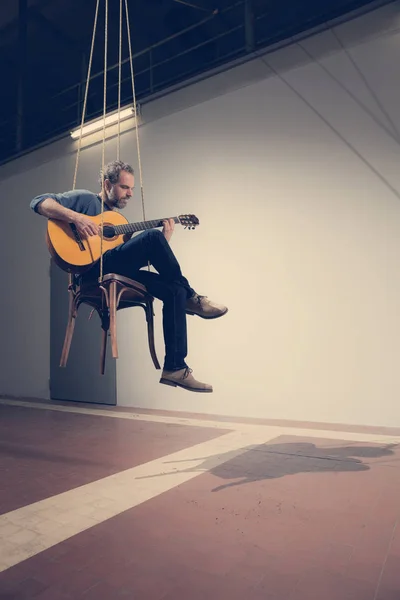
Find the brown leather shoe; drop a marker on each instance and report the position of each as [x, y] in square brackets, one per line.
[204, 308]
[184, 378]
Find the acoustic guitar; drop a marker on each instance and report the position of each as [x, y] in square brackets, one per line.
[75, 254]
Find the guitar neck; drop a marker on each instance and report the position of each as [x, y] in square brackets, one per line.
[141, 226]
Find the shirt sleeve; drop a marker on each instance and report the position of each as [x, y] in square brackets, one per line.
[66, 199]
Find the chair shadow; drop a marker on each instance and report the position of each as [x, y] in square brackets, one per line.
[271, 461]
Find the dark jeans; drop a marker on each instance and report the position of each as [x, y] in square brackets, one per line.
[168, 285]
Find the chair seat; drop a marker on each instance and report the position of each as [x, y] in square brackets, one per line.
[125, 281]
[132, 291]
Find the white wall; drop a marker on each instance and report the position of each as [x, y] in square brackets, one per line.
[295, 178]
[296, 183]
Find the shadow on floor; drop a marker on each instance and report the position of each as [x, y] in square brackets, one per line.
[270, 461]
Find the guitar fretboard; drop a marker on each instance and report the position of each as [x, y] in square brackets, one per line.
[134, 227]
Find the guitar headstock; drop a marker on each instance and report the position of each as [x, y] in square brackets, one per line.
[190, 221]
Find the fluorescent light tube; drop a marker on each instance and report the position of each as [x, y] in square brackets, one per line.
[97, 124]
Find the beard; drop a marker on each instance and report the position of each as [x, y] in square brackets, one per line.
[115, 202]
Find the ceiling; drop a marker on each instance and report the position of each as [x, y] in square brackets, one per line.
[172, 40]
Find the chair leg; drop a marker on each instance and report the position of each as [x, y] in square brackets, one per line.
[113, 317]
[103, 351]
[105, 326]
[68, 333]
[150, 333]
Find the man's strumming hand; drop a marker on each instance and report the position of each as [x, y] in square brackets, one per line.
[85, 226]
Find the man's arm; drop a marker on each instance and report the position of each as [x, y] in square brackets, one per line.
[51, 209]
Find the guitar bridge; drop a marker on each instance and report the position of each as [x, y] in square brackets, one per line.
[77, 237]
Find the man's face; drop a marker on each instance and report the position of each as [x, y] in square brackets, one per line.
[119, 193]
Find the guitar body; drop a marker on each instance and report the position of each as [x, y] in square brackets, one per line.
[75, 254]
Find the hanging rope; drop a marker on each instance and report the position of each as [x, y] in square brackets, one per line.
[103, 149]
[86, 93]
[103, 191]
[119, 79]
[135, 109]
[136, 115]
[84, 108]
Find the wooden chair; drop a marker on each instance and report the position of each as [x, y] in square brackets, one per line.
[114, 293]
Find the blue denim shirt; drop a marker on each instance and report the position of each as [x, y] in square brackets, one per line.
[81, 201]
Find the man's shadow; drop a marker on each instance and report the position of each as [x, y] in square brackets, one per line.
[270, 461]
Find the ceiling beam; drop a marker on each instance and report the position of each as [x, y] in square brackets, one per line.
[46, 23]
[11, 29]
[22, 56]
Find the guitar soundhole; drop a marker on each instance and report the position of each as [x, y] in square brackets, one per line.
[108, 231]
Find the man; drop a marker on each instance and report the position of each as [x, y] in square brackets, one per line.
[168, 284]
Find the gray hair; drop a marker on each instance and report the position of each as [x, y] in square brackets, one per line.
[113, 170]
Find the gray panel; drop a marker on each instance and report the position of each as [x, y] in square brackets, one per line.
[80, 380]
